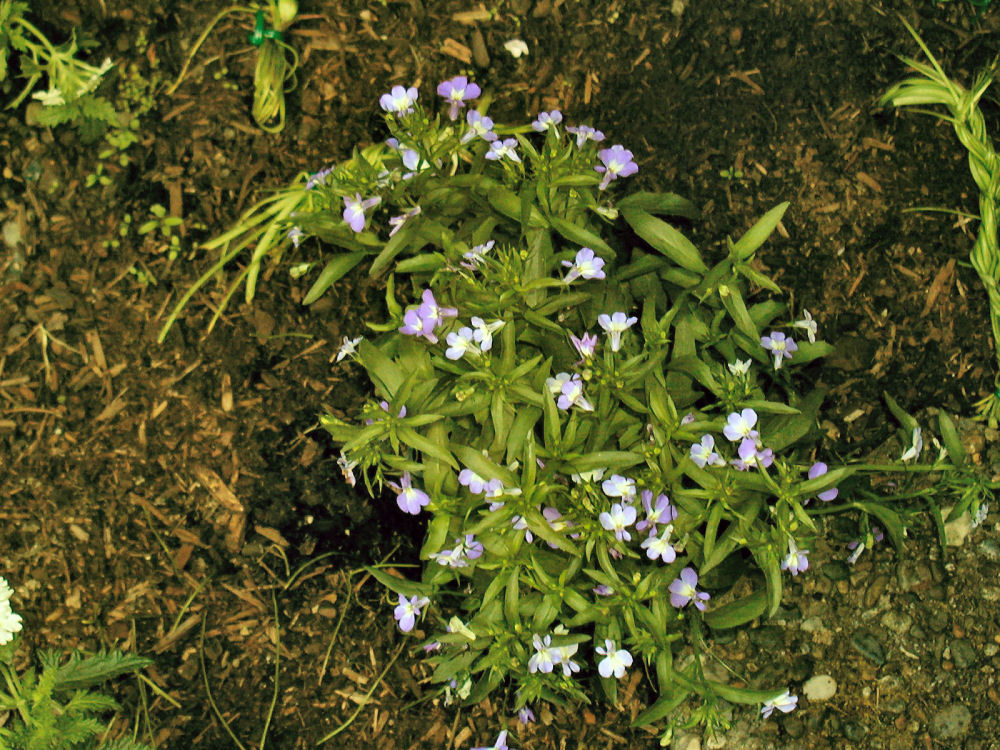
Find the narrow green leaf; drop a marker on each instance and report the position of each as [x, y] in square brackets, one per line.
[382, 370]
[403, 586]
[744, 696]
[331, 273]
[889, 518]
[396, 244]
[759, 232]
[423, 263]
[581, 236]
[664, 238]
[952, 442]
[737, 612]
[666, 204]
[418, 442]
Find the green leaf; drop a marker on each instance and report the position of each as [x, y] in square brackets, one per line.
[712, 528]
[403, 586]
[737, 612]
[581, 236]
[483, 466]
[512, 598]
[666, 204]
[889, 518]
[382, 370]
[664, 238]
[395, 245]
[908, 422]
[769, 407]
[668, 702]
[759, 232]
[611, 460]
[424, 263]
[418, 442]
[508, 203]
[332, 272]
[82, 672]
[743, 695]
[952, 442]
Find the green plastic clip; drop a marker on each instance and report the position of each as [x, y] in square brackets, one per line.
[260, 34]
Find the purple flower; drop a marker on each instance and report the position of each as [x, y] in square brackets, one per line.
[459, 343]
[662, 512]
[688, 419]
[500, 744]
[409, 498]
[585, 345]
[780, 345]
[602, 590]
[571, 395]
[475, 255]
[399, 100]
[525, 715]
[795, 561]
[545, 657]
[818, 469]
[620, 517]
[617, 163]
[619, 486]
[458, 557]
[585, 266]
[505, 148]
[354, 210]
[396, 222]
[432, 312]
[318, 178]
[475, 483]
[412, 161]
[384, 405]
[458, 91]
[741, 425]
[519, 523]
[479, 125]
[683, 591]
[703, 453]
[585, 133]
[546, 120]
[659, 546]
[615, 325]
[784, 703]
[473, 548]
[295, 235]
[858, 546]
[408, 610]
[752, 455]
[416, 325]
[615, 660]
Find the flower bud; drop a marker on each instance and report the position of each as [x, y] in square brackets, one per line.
[287, 10]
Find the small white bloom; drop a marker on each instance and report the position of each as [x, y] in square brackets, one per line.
[459, 343]
[347, 467]
[483, 332]
[809, 325]
[516, 47]
[51, 98]
[980, 517]
[916, 446]
[555, 384]
[588, 476]
[739, 367]
[615, 325]
[349, 348]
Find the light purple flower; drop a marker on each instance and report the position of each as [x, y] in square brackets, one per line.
[753, 456]
[396, 222]
[354, 210]
[409, 498]
[571, 395]
[459, 343]
[432, 312]
[416, 325]
[318, 178]
[473, 548]
[503, 149]
[520, 524]
[525, 715]
[602, 590]
[399, 100]
[585, 266]
[500, 744]
[795, 561]
[741, 425]
[780, 345]
[619, 486]
[408, 610]
[584, 345]
[784, 703]
[458, 91]
[295, 235]
[475, 483]
[615, 325]
[458, 557]
[620, 517]
[566, 654]
[585, 133]
[659, 546]
[384, 406]
[475, 256]
[688, 419]
[809, 325]
[545, 657]
[662, 512]
[859, 546]
[684, 590]
[479, 125]
[615, 660]
[555, 384]
[617, 163]
[546, 120]
[412, 161]
[818, 469]
[703, 453]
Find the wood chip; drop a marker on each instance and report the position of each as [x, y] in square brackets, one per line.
[227, 392]
[113, 409]
[471, 17]
[218, 489]
[272, 535]
[941, 280]
[867, 181]
[457, 50]
[94, 340]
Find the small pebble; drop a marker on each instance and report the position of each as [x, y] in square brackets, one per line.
[821, 687]
[836, 570]
[962, 653]
[875, 590]
[957, 531]
[951, 722]
[990, 549]
[897, 622]
[812, 625]
[869, 647]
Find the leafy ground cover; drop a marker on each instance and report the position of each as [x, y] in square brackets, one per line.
[164, 499]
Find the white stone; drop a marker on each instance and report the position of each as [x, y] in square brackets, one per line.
[955, 532]
[820, 687]
[686, 742]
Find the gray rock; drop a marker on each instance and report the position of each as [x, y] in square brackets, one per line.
[957, 531]
[769, 636]
[911, 574]
[821, 687]
[812, 625]
[875, 590]
[686, 742]
[868, 646]
[938, 620]
[951, 722]
[854, 731]
[897, 622]
[836, 570]
[990, 549]
[962, 653]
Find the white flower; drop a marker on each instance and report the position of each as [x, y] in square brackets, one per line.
[516, 47]
[739, 367]
[347, 469]
[615, 325]
[6, 592]
[784, 703]
[459, 343]
[615, 661]
[483, 332]
[809, 325]
[51, 98]
[349, 348]
[980, 517]
[916, 446]
[555, 385]
[10, 622]
[588, 476]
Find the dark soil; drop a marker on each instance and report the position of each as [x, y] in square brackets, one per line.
[168, 499]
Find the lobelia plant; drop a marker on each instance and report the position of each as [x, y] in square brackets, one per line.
[56, 707]
[590, 474]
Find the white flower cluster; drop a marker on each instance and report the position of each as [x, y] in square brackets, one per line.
[10, 622]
